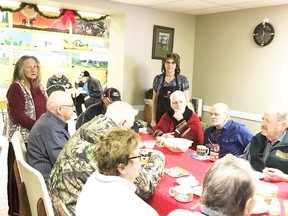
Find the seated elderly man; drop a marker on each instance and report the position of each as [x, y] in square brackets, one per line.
[268, 149]
[77, 161]
[232, 137]
[228, 188]
[59, 79]
[50, 133]
[180, 121]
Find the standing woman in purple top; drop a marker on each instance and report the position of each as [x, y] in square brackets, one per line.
[26, 102]
[165, 84]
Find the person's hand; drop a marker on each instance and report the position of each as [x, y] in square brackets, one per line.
[178, 115]
[168, 135]
[274, 174]
[153, 123]
[87, 97]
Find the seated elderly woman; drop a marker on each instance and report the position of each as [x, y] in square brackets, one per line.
[229, 188]
[180, 121]
[110, 190]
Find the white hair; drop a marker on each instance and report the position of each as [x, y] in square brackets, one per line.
[120, 110]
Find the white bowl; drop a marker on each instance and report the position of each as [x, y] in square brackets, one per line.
[177, 144]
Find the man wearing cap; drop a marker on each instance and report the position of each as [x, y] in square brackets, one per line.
[94, 92]
[109, 96]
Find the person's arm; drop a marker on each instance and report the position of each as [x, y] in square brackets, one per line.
[49, 82]
[275, 174]
[191, 130]
[150, 175]
[54, 142]
[67, 83]
[154, 108]
[95, 88]
[16, 103]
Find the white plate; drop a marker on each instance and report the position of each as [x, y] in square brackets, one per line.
[259, 175]
[197, 190]
[188, 181]
[183, 212]
[260, 207]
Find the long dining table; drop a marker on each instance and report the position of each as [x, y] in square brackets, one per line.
[163, 203]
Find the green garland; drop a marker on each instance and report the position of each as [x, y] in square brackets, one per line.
[23, 5]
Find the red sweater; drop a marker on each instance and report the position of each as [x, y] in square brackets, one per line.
[16, 101]
[191, 129]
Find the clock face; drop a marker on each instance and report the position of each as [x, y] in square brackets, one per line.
[263, 34]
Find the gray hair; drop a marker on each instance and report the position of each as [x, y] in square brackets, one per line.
[280, 110]
[228, 185]
[120, 110]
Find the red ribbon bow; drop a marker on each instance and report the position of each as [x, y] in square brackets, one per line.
[68, 15]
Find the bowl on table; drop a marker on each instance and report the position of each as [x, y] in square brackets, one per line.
[175, 144]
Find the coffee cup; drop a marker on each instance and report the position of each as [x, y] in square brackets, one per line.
[202, 150]
[181, 193]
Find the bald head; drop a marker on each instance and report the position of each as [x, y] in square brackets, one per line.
[61, 104]
[219, 115]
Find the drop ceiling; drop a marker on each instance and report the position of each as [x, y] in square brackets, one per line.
[198, 7]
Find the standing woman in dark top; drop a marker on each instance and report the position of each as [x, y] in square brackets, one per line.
[164, 84]
[26, 102]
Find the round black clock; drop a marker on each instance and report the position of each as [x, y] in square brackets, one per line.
[263, 34]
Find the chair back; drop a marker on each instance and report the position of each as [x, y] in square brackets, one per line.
[53, 88]
[19, 146]
[37, 192]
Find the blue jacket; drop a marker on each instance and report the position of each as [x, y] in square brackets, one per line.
[233, 138]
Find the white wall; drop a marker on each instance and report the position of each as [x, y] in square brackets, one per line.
[229, 67]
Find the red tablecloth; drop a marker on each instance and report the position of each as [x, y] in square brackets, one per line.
[164, 203]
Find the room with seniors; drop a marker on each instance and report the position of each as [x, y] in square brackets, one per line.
[209, 139]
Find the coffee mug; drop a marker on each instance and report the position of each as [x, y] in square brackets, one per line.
[181, 193]
[202, 150]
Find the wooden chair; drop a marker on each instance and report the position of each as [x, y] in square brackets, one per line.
[37, 192]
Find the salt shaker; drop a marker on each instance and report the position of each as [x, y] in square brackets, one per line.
[275, 209]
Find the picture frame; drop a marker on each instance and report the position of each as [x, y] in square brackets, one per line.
[163, 39]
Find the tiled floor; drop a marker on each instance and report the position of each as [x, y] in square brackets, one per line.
[3, 166]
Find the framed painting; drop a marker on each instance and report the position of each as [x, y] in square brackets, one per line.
[163, 39]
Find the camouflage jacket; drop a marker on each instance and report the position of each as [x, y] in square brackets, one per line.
[76, 163]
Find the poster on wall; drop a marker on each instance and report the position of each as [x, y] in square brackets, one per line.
[29, 19]
[46, 58]
[99, 45]
[76, 43]
[4, 56]
[89, 60]
[15, 38]
[4, 19]
[97, 28]
[52, 41]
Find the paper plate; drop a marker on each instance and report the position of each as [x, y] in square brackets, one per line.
[188, 181]
[258, 175]
[197, 190]
[181, 212]
[260, 207]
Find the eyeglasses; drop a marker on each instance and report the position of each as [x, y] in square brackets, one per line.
[130, 158]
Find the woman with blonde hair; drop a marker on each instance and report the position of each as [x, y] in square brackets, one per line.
[26, 102]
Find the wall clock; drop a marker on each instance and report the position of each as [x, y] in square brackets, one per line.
[263, 34]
